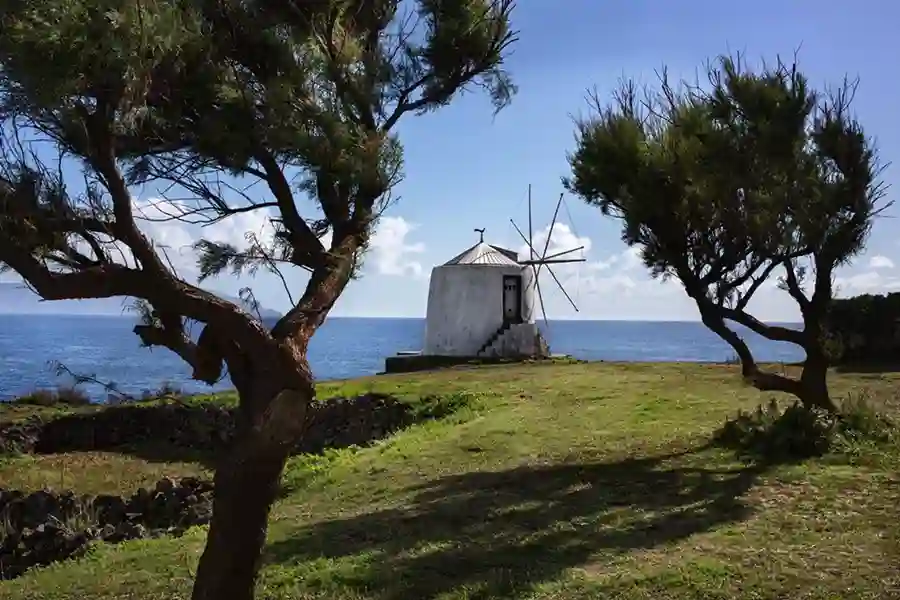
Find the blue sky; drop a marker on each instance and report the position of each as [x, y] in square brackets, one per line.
[466, 168]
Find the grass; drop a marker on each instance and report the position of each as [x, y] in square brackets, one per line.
[563, 482]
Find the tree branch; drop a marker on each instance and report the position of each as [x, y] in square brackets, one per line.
[745, 297]
[772, 332]
[207, 371]
[792, 284]
[761, 380]
[126, 230]
[308, 248]
[101, 281]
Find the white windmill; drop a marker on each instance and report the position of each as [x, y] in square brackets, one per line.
[481, 302]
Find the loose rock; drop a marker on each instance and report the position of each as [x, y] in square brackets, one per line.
[44, 527]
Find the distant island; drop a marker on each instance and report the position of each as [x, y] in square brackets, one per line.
[17, 299]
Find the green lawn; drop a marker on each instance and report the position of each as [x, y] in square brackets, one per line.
[564, 482]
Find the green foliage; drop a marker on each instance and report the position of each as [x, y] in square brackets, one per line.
[860, 421]
[303, 96]
[440, 406]
[723, 186]
[864, 329]
[797, 432]
[303, 469]
[773, 434]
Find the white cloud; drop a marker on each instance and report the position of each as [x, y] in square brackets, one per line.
[389, 250]
[880, 262]
[173, 239]
[563, 239]
[867, 282]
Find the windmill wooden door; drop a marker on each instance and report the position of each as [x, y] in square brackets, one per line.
[512, 298]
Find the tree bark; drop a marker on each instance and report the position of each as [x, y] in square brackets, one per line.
[750, 371]
[246, 485]
[717, 325]
[814, 382]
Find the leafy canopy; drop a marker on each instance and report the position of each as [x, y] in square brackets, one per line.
[724, 185]
[204, 99]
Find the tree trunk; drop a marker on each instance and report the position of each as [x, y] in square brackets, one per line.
[750, 371]
[246, 485]
[717, 325]
[814, 382]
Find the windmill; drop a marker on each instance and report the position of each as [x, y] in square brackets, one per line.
[538, 260]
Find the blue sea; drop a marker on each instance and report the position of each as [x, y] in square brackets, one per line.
[105, 348]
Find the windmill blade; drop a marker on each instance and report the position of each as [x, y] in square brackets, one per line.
[530, 233]
[537, 284]
[550, 259]
[564, 252]
[550, 232]
[559, 283]
[524, 239]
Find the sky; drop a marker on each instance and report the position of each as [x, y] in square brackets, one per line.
[466, 168]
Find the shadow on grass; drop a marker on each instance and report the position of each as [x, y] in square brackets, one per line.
[498, 533]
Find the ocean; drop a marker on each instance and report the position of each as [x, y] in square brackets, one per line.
[104, 347]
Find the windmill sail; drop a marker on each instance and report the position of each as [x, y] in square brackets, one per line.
[538, 261]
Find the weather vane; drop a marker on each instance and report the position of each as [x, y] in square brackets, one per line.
[481, 233]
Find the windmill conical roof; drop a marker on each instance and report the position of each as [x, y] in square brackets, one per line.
[485, 255]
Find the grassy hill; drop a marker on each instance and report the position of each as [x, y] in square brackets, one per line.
[558, 482]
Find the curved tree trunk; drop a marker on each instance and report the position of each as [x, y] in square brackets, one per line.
[275, 393]
[812, 387]
[246, 485]
[814, 382]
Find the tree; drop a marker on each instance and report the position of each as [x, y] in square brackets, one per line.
[725, 186]
[209, 96]
[864, 330]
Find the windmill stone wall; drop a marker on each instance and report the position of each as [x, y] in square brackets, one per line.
[465, 300]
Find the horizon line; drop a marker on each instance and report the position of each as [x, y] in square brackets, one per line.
[390, 318]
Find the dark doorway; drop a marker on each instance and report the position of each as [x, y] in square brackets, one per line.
[512, 298]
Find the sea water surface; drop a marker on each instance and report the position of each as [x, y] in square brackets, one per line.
[105, 348]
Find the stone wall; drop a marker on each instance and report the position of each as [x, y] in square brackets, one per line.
[42, 527]
[45, 527]
[332, 423]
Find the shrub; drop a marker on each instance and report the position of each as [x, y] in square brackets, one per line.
[70, 396]
[860, 421]
[434, 406]
[798, 433]
[37, 398]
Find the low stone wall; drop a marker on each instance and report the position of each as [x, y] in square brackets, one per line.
[332, 423]
[410, 363]
[45, 527]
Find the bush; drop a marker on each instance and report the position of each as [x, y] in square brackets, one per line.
[166, 390]
[798, 433]
[864, 329]
[69, 396]
[433, 406]
[860, 421]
